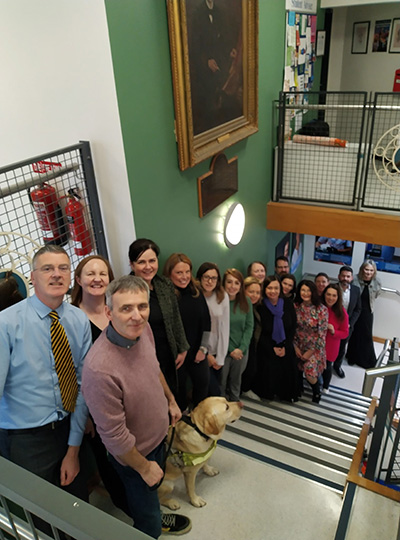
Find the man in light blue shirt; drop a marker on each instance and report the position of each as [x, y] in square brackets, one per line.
[36, 432]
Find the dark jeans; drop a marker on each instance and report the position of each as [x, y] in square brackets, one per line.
[199, 376]
[107, 472]
[41, 452]
[143, 502]
[214, 385]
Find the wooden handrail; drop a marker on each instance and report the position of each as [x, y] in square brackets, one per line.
[354, 472]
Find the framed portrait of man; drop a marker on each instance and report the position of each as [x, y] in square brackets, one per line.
[214, 61]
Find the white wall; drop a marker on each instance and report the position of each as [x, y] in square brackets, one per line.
[387, 307]
[361, 72]
[57, 88]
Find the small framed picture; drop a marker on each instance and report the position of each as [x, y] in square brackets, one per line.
[359, 43]
[395, 37]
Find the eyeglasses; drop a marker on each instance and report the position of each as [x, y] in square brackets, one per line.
[209, 278]
[49, 268]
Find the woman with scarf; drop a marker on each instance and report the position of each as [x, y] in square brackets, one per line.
[277, 370]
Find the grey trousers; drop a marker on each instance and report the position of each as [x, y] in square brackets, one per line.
[232, 377]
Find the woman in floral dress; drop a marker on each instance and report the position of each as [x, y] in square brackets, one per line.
[310, 337]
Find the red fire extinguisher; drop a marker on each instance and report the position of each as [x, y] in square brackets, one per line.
[48, 211]
[74, 211]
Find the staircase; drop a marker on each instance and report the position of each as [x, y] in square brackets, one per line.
[315, 441]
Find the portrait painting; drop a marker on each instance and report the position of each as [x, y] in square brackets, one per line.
[214, 59]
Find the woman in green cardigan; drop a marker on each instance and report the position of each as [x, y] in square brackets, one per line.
[240, 333]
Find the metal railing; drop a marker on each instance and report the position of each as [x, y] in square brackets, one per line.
[344, 171]
[63, 512]
[381, 435]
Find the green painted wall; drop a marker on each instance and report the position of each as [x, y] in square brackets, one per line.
[164, 199]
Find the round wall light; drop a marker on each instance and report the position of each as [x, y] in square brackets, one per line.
[234, 225]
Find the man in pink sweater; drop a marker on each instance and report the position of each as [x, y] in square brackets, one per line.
[129, 400]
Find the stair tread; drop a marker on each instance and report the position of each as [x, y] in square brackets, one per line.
[320, 453]
[308, 411]
[327, 438]
[326, 473]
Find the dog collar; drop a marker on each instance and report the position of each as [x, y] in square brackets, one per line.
[189, 422]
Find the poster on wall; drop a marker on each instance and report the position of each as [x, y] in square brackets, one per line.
[381, 36]
[333, 250]
[282, 248]
[395, 37]
[297, 251]
[387, 258]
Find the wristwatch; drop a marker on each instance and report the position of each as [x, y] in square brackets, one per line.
[204, 350]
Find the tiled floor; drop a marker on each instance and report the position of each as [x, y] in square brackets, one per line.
[250, 500]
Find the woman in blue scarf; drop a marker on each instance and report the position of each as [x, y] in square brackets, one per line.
[277, 370]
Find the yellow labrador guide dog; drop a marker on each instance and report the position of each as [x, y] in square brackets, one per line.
[193, 444]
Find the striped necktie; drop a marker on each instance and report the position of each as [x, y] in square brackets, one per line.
[64, 364]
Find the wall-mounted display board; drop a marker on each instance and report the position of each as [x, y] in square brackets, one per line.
[301, 32]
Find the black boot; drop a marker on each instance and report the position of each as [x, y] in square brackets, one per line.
[300, 386]
[316, 392]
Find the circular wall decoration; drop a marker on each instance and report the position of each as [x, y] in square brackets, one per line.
[386, 158]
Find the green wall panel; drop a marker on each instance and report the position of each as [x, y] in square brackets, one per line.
[164, 199]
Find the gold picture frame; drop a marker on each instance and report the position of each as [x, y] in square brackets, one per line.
[214, 61]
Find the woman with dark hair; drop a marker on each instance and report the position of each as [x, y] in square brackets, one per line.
[277, 371]
[361, 349]
[218, 305]
[258, 270]
[92, 275]
[197, 324]
[310, 336]
[288, 285]
[338, 328]
[165, 320]
[240, 332]
[253, 290]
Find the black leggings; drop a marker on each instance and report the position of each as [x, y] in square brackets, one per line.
[327, 374]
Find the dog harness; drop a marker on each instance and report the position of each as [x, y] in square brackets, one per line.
[185, 459]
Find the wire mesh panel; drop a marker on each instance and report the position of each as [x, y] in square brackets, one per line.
[52, 199]
[320, 142]
[382, 184]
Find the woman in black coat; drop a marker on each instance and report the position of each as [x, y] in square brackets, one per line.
[277, 369]
[197, 324]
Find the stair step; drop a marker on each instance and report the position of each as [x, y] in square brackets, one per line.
[324, 440]
[319, 453]
[336, 409]
[308, 411]
[264, 414]
[321, 471]
[351, 394]
[343, 401]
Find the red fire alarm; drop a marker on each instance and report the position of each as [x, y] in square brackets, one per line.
[396, 83]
